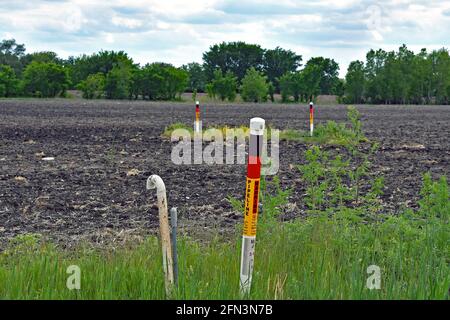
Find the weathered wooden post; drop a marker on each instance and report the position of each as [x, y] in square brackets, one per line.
[153, 182]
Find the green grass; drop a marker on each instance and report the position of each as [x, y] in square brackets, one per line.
[316, 258]
[176, 126]
[330, 133]
[320, 257]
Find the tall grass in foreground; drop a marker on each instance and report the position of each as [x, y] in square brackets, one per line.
[319, 257]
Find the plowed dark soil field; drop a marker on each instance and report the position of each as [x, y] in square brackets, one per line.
[94, 188]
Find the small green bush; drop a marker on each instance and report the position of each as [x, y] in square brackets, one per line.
[222, 86]
[93, 86]
[118, 82]
[45, 80]
[159, 81]
[9, 84]
[254, 86]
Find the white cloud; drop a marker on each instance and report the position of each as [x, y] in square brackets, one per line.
[126, 22]
[179, 31]
[109, 38]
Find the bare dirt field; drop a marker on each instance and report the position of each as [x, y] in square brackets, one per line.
[103, 152]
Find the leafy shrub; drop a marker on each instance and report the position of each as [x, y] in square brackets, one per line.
[118, 82]
[175, 126]
[288, 85]
[45, 80]
[301, 85]
[210, 91]
[254, 86]
[435, 197]
[93, 86]
[339, 133]
[196, 77]
[222, 86]
[8, 82]
[101, 62]
[335, 180]
[159, 81]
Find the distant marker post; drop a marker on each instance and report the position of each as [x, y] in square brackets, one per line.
[251, 203]
[197, 117]
[311, 118]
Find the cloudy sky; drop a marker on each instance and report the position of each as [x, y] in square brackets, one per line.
[179, 31]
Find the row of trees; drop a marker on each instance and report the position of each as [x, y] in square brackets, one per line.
[227, 69]
[38, 79]
[41, 74]
[320, 76]
[254, 87]
[108, 74]
[400, 77]
[238, 57]
[156, 81]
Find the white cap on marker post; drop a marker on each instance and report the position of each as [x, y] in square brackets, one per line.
[257, 126]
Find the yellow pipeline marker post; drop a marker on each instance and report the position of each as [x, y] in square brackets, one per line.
[197, 117]
[311, 118]
[251, 203]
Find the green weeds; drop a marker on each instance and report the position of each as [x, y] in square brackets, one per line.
[318, 257]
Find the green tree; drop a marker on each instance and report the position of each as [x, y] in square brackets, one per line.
[103, 62]
[420, 79]
[222, 86]
[11, 54]
[311, 77]
[197, 77]
[440, 60]
[355, 82]
[254, 86]
[375, 61]
[93, 86]
[9, 84]
[339, 90]
[42, 56]
[175, 82]
[118, 82]
[45, 79]
[292, 84]
[286, 82]
[277, 62]
[152, 81]
[235, 57]
[328, 70]
[160, 81]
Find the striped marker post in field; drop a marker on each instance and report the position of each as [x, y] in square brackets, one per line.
[251, 203]
[197, 117]
[311, 118]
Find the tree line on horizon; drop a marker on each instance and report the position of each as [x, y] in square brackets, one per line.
[228, 69]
